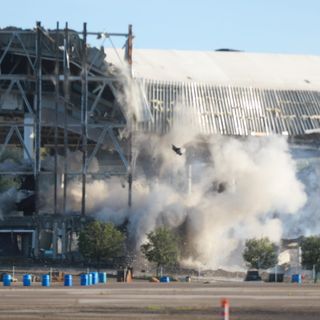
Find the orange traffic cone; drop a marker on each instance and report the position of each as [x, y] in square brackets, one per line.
[225, 306]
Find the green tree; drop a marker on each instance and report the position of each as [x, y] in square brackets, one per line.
[260, 253]
[310, 248]
[161, 248]
[99, 241]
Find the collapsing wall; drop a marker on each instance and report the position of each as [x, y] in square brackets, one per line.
[263, 183]
[217, 191]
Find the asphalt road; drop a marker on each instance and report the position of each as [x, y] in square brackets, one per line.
[144, 300]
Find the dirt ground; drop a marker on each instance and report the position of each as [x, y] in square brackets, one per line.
[175, 300]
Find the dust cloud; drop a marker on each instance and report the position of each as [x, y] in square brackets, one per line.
[219, 192]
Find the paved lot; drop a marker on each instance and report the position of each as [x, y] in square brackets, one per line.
[144, 300]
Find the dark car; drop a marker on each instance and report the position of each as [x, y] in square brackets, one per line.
[252, 275]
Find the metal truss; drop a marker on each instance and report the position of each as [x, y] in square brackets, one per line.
[66, 88]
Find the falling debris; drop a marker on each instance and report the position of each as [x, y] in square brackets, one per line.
[177, 150]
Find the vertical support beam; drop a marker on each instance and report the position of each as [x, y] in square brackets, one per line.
[28, 136]
[84, 117]
[66, 89]
[129, 47]
[38, 94]
[130, 183]
[54, 240]
[70, 239]
[35, 243]
[130, 118]
[56, 73]
[63, 240]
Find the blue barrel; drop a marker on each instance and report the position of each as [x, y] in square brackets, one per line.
[68, 280]
[84, 279]
[26, 279]
[7, 280]
[95, 278]
[45, 280]
[164, 279]
[296, 278]
[102, 277]
[90, 279]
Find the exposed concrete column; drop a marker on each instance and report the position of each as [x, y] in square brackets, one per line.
[63, 240]
[35, 243]
[84, 117]
[38, 112]
[25, 244]
[54, 240]
[28, 136]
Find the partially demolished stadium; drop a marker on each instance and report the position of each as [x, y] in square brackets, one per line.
[57, 98]
[64, 119]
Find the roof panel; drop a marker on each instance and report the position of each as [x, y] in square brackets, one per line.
[231, 110]
[276, 71]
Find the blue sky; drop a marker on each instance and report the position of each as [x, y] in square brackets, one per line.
[280, 26]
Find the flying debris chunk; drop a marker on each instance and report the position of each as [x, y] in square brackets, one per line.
[177, 150]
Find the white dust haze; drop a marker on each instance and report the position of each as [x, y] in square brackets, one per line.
[259, 181]
[218, 193]
[239, 190]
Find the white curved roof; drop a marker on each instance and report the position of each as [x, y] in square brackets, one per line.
[273, 71]
[229, 93]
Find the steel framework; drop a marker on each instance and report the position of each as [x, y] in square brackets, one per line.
[57, 94]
